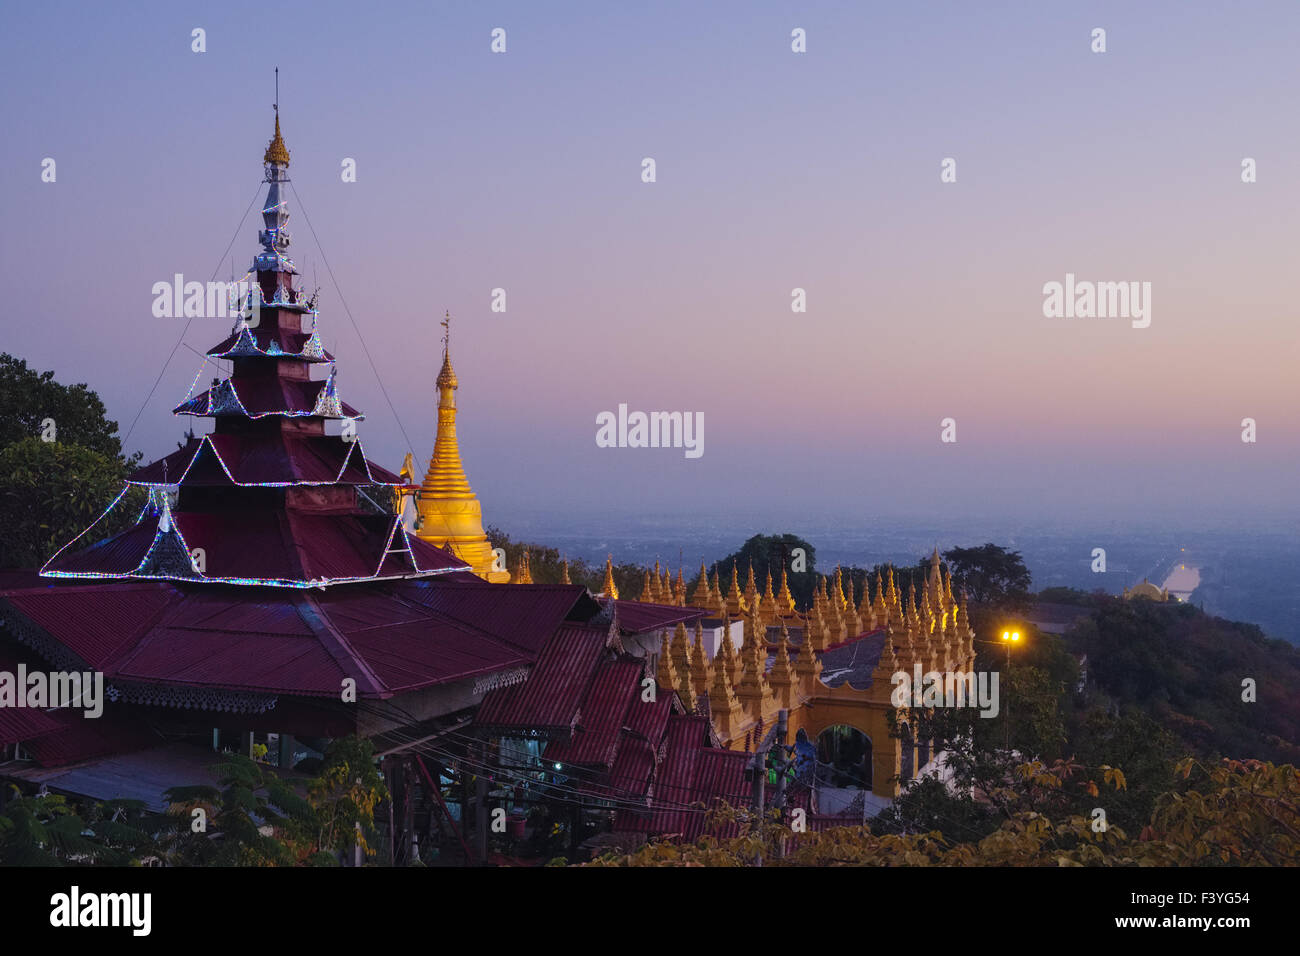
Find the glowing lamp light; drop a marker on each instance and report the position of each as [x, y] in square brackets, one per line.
[1010, 635]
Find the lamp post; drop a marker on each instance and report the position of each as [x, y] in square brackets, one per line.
[1009, 637]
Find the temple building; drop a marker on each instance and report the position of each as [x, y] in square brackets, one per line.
[269, 594]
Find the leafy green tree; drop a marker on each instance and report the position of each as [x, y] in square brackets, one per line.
[251, 819]
[991, 575]
[48, 830]
[51, 492]
[1230, 813]
[769, 553]
[344, 796]
[29, 398]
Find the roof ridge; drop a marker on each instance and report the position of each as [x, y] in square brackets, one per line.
[335, 643]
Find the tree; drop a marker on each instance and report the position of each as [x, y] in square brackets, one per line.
[51, 492]
[1240, 812]
[253, 818]
[770, 553]
[48, 830]
[991, 575]
[30, 398]
[344, 796]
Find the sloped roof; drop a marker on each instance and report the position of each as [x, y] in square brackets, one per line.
[692, 779]
[548, 702]
[266, 458]
[258, 397]
[637, 618]
[389, 637]
[853, 661]
[263, 546]
[602, 715]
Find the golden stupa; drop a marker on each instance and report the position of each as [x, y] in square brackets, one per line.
[449, 511]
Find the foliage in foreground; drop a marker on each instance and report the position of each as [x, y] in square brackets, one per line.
[1239, 813]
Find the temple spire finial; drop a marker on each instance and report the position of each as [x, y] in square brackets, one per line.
[277, 154]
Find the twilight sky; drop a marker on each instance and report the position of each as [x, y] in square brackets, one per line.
[775, 170]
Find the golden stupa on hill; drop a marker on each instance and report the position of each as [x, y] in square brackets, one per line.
[449, 511]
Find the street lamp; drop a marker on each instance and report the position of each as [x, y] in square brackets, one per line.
[1009, 637]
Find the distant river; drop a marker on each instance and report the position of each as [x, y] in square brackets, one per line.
[1183, 581]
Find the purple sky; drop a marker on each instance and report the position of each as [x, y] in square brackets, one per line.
[775, 170]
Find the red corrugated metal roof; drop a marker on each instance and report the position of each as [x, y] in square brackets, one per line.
[602, 714]
[96, 622]
[692, 778]
[82, 738]
[549, 700]
[637, 618]
[391, 638]
[523, 614]
[18, 725]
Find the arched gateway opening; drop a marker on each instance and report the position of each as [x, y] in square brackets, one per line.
[844, 758]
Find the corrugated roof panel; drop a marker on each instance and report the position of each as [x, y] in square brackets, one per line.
[550, 699]
[637, 618]
[525, 615]
[616, 686]
[95, 622]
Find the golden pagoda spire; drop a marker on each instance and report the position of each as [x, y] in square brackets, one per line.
[610, 589]
[785, 599]
[736, 605]
[781, 677]
[449, 511]
[701, 675]
[681, 649]
[647, 590]
[679, 589]
[701, 597]
[525, 573]
[564, 572]
[768, 601]
[666, 676]
[864, 606]
[276, 152]
[878, 608]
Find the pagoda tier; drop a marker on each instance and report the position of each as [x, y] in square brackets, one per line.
[275, 545]
[273, 458]
[258, 397]
[268, 498]
[271, 343]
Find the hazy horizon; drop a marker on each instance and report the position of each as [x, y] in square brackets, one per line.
[775, 170]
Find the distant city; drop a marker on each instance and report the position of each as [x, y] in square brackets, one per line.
[1245, 575]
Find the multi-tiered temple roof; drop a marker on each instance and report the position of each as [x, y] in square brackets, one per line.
[268, 497]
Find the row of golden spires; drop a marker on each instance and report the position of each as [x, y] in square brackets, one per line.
[743, 692]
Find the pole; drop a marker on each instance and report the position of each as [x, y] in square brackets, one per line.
[481, 818]
[783, 764]
[1006, 711]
